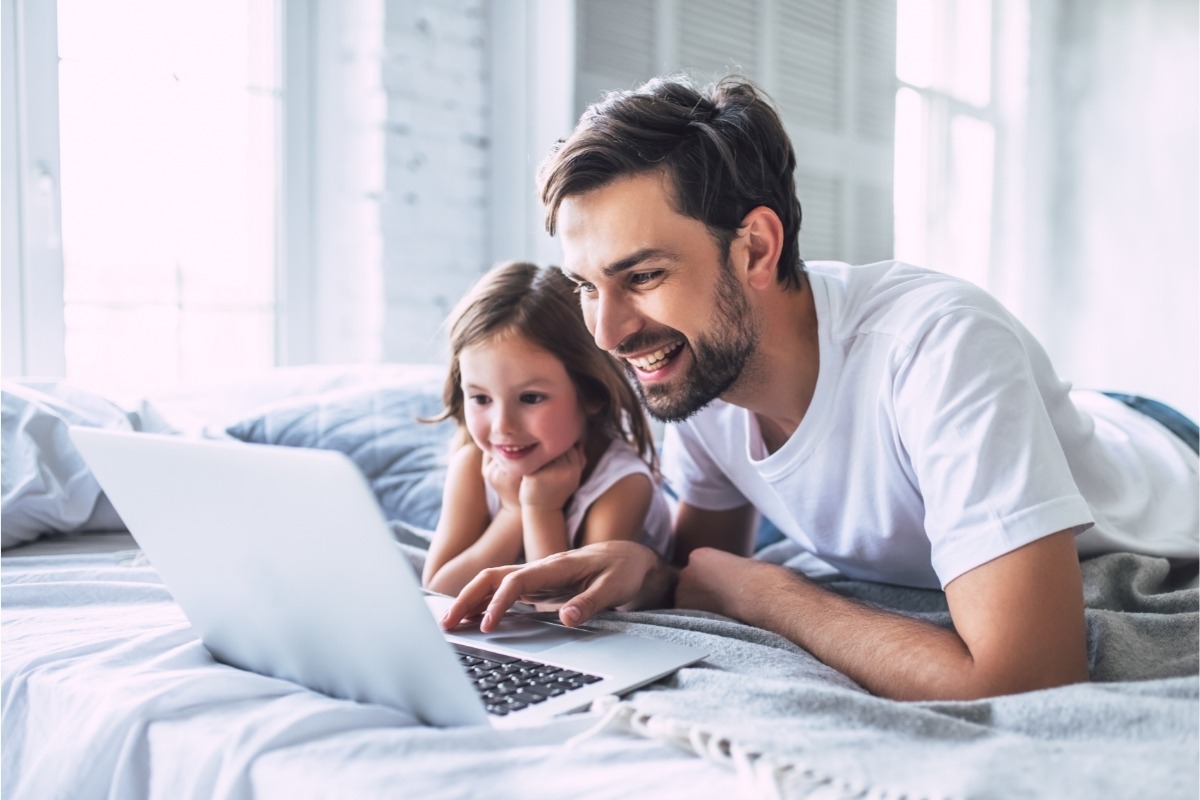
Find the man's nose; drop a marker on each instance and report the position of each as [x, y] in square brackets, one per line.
[611, 320]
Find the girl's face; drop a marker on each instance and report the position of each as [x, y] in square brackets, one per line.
[520, 405]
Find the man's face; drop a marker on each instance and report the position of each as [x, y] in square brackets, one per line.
[657, 293]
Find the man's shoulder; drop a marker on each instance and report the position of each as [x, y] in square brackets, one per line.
[893, 280]
[894, 298]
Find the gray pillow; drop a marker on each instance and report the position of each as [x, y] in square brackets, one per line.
[403, 459]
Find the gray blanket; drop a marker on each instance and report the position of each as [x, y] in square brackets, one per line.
[800, 729]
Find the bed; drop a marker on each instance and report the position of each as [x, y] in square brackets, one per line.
[108, 693]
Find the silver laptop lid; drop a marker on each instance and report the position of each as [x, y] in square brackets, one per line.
[284, 564]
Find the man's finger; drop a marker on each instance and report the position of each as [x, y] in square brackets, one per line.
[474, 597]
[554, 574]
[588, 603]
[511, 589]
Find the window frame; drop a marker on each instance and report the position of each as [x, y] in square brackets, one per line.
[33, 328]
[1004, 113]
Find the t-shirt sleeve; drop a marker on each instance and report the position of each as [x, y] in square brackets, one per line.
[984, 451]
[692, 475]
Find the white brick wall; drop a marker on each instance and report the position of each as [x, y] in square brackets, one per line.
[434, 205]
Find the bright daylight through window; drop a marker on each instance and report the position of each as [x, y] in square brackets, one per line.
[168, 128]
[945, 136]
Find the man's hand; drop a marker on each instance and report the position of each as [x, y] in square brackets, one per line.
[721, 582]
[587, 581]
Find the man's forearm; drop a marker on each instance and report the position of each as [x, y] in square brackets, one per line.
[1013, 636]
[887, 654]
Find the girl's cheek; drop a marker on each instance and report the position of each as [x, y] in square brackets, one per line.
[476, 428]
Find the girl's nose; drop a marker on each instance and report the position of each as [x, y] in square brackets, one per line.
[503, 420]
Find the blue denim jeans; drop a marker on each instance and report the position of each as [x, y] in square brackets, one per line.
[1162, 413]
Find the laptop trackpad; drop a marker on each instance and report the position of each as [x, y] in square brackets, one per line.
[515, 632]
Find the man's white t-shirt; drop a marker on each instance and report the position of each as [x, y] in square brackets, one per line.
[938, 438]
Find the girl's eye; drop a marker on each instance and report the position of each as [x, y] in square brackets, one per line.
[479, 399]
[531, 398]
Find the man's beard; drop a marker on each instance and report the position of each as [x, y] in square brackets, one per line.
[718, 359]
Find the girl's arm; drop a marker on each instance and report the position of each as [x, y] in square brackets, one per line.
[619, 513]
[543, 496]
[465, 542]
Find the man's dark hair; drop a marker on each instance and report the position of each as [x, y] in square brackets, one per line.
[723, 149]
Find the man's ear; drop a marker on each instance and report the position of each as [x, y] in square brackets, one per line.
[761, 233]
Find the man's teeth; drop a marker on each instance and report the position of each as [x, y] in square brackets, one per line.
[653, 361]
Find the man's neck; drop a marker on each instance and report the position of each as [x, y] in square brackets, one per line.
[783, 377]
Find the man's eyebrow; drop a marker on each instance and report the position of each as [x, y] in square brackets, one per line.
[629, 262]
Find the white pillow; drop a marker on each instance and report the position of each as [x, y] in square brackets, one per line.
[47, 488]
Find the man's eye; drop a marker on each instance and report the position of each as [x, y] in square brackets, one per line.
[643, 278]
[583, 287]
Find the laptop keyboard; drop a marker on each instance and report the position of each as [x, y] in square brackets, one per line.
[509, 684]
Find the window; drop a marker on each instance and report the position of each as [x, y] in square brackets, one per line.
[946, 135]
[167, 134]
[165, 225]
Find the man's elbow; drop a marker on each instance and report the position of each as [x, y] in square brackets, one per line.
[1031, 678]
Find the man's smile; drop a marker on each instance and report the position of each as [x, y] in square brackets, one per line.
[652, 362]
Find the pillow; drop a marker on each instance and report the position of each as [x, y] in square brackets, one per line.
[207, 409]
[46, 487]
[403, 459]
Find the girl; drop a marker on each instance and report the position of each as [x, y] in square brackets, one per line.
[553, 450]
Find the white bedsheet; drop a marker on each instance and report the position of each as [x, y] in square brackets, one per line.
[108, 693]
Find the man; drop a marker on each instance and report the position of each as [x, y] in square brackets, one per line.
[898, 424]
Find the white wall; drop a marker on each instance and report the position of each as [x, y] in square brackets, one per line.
[400, 190]
[1114, 260]
[345, 151]
[434, 205]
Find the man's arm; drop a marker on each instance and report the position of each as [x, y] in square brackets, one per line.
[604, 575]
[1018, 623]
[731, 530]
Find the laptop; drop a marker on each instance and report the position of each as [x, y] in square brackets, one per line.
[282, 561]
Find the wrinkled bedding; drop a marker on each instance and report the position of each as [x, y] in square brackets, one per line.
[107, 693]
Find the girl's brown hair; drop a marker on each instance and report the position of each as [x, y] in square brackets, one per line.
[540, 304]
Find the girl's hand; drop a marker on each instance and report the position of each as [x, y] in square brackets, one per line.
[552, 485]
[506, 484]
